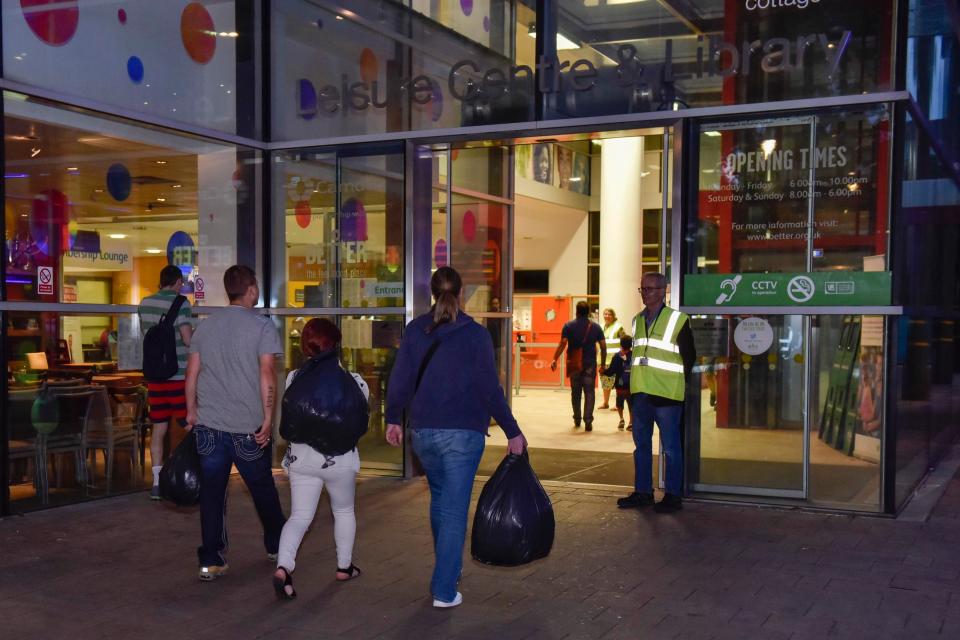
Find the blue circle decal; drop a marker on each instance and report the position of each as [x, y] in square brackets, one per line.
[135, 69]
[118, 182]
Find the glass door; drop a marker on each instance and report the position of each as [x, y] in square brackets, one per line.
[755, 211]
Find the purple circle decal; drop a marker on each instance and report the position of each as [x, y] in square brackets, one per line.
[440, 253]
[466, 6]
[353, 221]
[486, 23]
[122, 16]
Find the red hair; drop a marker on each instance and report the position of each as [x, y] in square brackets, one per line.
[319, 334]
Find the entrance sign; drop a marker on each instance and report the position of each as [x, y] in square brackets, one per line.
[820, 289]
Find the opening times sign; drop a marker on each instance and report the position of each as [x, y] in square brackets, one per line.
[816, 289]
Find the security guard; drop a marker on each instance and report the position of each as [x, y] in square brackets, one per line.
[663, 356]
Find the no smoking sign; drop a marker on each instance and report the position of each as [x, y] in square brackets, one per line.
[198, 288]
[45, 281]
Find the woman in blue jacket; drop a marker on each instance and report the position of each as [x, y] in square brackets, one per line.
[445, 379]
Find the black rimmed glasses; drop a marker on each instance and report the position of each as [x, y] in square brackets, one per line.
[649, 289]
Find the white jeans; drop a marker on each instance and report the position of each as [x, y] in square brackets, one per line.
[307, 479]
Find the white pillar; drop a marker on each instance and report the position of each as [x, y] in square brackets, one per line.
[621, 227]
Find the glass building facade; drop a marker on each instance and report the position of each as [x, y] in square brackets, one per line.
[803, 152]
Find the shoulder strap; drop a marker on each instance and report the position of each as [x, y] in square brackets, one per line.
[426, 360]
[170, 316]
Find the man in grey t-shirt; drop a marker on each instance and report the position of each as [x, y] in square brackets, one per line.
[231, 392]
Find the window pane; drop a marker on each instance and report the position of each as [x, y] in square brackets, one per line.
[751, 418]
[76, 393]
[96, 207]
[343, 237]
[628, 57]
[847, 429]
[186, 62]
[479, 241]
[387, 67]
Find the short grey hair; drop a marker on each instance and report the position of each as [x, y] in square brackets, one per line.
[660, 279]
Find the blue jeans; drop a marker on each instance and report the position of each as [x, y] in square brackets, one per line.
[668, 420]
[219, 451]
[450, 457]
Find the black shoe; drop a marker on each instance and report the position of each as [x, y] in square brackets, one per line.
[588, 427]
[635, 501]
[576, 424]
[669, 504]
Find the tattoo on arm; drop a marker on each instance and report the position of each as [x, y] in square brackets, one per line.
[270, 396]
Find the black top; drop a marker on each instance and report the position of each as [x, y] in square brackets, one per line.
[575, 330]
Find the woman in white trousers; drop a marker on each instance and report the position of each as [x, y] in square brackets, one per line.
[310, 471]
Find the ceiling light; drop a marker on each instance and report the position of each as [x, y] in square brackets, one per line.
[117, 236]
[768, 146]
[712, 134]
[72, 169]
[177, 186]
[161, 199]
[161, 162]
[154, 251]
[564, 43]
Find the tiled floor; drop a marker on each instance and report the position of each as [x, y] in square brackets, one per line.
[125, 568]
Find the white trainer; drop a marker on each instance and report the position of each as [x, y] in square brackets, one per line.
[457, 601]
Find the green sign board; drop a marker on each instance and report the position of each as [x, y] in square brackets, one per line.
[818, 289]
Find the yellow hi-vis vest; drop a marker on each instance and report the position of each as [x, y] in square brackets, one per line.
[662, 375]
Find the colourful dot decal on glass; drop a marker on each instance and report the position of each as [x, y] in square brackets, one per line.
[303, 214]
[54, 26]
[469, 226]
[118, 182]
[196, 31]
[353, 221]
[135, 69]
[122, 16]
[486, 23]
[440, 253]
[368, 65]
[466, 6]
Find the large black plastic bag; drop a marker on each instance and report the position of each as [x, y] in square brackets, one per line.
[180, 476]
[324, 407]
[514, 521]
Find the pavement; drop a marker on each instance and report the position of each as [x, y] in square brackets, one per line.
[125, 568]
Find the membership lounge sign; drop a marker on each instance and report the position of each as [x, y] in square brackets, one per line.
[816, 289]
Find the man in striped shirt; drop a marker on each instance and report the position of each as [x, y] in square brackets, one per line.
[167, 399]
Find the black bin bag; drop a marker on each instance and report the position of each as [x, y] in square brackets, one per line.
[514, 522]
[180, 475]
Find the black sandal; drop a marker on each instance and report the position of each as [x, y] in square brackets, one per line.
[353, 571]
[280, 585]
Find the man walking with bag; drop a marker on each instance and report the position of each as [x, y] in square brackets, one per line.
[663, 356]
[166, 397]
[231, 394]
[580, 337]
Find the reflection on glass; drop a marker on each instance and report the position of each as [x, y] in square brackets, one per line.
[751, 402]
[95, 208]
[368, 347]
[847, 421]
[76, 403]
[479, 235]
[343, 237]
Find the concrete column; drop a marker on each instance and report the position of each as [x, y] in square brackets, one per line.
[621, 227]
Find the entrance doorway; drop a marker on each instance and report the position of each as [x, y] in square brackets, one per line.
[576, 218]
